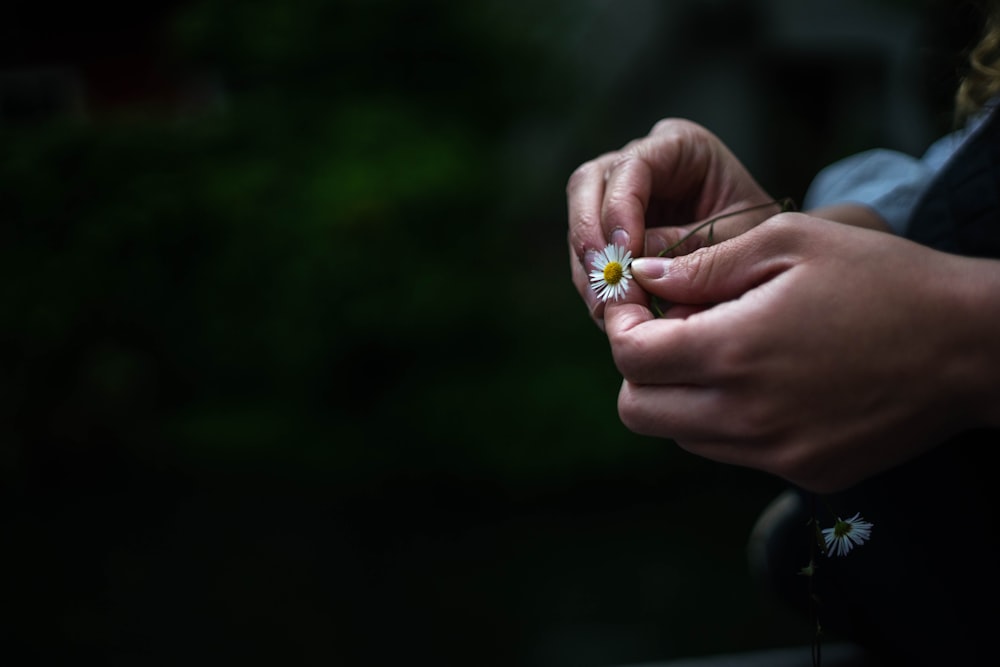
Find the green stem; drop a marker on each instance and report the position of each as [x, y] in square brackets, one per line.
[817, 642]
[785, 203]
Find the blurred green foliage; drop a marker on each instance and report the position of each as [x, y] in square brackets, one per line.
[334, 269]
[298, 371]
[301, 367]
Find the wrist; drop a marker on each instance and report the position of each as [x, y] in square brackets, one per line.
[856, 215]
[975, 366]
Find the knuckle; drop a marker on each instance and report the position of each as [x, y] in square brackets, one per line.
[782, 226]
[580, 230]
[630, 355]
[670, 125]
[630, 411]
[582, 173]
[734, 357]
[699, 268]
[758, 422]
[663, 125]
[780, 236]
[627, 154]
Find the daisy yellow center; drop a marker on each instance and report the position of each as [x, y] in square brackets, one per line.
[841, 528]
[613, 273]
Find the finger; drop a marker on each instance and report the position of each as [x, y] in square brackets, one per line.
[692, 165]
[584, 198]
[673, 163]
[681, 412]
[699, 419]
[680, 311]
[679, 160]
[720, 272]
[661, 351]
[581, 280]
[672, 178]
[626, 199]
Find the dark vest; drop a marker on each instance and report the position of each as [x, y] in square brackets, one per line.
[924, 590]
[960, 211]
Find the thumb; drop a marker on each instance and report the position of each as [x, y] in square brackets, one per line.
[717, 273]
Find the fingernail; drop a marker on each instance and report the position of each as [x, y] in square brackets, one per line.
[650, 268]
[654, 245]
[592, 301]
[620, 237]
[588, 260]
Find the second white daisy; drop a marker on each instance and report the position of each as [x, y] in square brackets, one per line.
[845, 535]
[611, 274]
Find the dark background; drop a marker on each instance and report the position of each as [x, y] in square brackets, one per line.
[292, 368]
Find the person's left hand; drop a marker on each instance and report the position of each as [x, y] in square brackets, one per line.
[652, 193]
[806, 348]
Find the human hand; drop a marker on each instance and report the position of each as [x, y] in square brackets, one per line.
[649, 194]
[812, 350]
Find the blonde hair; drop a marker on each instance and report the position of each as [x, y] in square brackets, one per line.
[982, 78]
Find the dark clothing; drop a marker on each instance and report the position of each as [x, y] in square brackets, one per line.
[924, 590]
[960, 211]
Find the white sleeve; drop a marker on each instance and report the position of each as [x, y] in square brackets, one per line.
[888, 182]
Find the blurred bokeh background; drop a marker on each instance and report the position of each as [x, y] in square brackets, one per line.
[292, 369]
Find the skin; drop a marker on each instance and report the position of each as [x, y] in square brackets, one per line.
[817, 347]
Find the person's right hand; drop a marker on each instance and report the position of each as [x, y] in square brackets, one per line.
[811, 350]
[650, 193]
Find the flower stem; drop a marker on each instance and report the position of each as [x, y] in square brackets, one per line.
[814, 542]
[786, 204]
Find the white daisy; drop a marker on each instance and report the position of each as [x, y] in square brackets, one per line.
[846, 533]
[611, 274]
